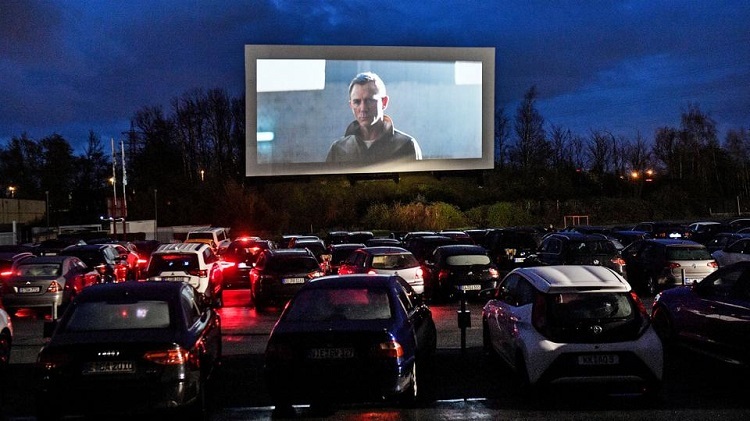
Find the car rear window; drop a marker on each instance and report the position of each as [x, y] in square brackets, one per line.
[292, 264]
[39, 270]
[179, 262]
[567, 307]
[467, 260]
[688, 253]
[340, 304]
[582, 248]
[91, 316]
[394, 261]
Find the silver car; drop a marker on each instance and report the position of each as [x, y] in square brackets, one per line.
[386, 261]
[738, 251]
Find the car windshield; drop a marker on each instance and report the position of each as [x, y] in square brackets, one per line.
[567, 307]
[339, 304]
[467, 260]
[39, 270]
[172, 263]
[394, 261]
[100, 315]
[688, 253]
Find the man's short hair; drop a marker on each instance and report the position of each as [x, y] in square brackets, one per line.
[365, 78]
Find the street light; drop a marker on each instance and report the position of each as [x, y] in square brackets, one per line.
[12, 191]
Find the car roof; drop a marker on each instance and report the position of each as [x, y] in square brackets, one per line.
[562, 278]
[86, 247]
[180, 247]
[461, 249]
[385, 250]
[132, 290]
[673, 242]
[46, 259]
[357, 280]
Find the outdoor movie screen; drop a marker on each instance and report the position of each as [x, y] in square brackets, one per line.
[409, 109]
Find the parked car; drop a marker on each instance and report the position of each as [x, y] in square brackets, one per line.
[46, 283]
[52, 246]
[733, 253]
[130, 348]
[711, 316]
[6, 338]
[101, 257]
[510, 247]
[379, 241]
[572, 248]
[461, 237]
[279, 274]
[337, 254]
[239, 258]
[194, 263]
[459, 270]
[422, 246]
[316, 246]
[702, 232]
[216, 237]
[662, 229]
[656, 264]
[723, 239]
[738, 224]
[573, 325]
[7, 258]
[386, 261]
[349, 337]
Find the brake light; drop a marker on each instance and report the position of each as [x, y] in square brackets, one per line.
[54, 286]
[443, 274]
[539, 314]
[713, 264]
[201, 273]
[5, 273]
[390, 349]
[618, 261]
[494, 273]
[673, 265]
[645, 318]
[173, 356]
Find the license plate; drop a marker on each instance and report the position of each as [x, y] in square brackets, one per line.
[26, 290]
[469, 287]
[331, 353]
[109, 367]
[598, 359]
[175, 278]
[287, 281]
[519, 259]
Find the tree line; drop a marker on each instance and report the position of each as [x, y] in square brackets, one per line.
[185, 163]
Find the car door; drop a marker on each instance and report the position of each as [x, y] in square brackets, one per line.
[420, 318]
[731, 333]
[504, 312]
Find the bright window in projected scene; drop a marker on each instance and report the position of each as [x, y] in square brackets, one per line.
[298, 105]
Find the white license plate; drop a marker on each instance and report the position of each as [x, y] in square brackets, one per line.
[27, 290]
[109, 367]
[469, 287]
[287, 281]
[331, 353]
[519, 259]
[598, 359]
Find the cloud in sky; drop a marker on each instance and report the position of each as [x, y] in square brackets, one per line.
[624, 66]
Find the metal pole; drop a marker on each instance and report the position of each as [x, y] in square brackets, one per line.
[156, 217]
[46, 193]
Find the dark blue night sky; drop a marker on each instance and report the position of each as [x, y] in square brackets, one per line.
[628, 67]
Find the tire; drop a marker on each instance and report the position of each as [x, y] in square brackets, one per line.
[5, 346]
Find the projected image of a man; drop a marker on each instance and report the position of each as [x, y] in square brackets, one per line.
[372, 137]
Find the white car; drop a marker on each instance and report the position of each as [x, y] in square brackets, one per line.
[738, 251]
[6, 338]
[385, 260]
[194, 263]
[573, 325]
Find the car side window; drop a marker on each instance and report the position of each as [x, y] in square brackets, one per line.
[506, 291]
[190, 307]
[209, 256]
[405, 301]
[721, 285]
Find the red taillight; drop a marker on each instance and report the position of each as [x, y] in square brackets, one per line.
[390, 349]
[539, 314]
[201, 273]
[713, 264]
[618, 261]
[173, 356]
[639, 303]
[54, 287]
[6, 273]
[494, 273]
[673, 265]
[443, 274]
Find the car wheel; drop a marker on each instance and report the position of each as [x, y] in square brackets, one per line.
[663, 326]
[5, 343]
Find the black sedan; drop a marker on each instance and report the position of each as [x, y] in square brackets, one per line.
[135, 347]
[712, 315]
[349, 338]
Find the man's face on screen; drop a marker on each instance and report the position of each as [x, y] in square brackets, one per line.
[367, 104]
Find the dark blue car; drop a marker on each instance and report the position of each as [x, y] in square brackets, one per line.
[349, 338]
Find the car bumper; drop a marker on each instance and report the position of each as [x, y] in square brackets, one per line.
[638, 361]
[35, 300]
